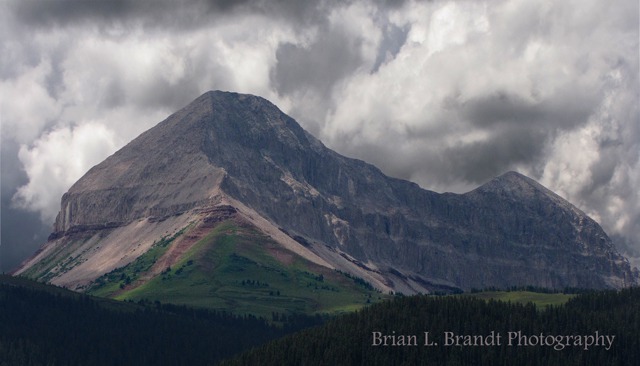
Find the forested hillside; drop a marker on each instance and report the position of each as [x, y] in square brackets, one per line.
[45, 325]
[599, 328]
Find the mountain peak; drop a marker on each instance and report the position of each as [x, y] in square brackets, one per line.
[514, 178]
[515, 185]
[225, 117]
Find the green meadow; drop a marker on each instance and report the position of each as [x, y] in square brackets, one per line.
[524, 297]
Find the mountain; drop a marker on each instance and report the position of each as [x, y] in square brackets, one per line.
[230, 189]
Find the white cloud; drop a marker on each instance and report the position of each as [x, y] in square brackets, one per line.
[26, 107]
[56, 161]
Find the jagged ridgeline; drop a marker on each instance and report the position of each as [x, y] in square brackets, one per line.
[229, 203]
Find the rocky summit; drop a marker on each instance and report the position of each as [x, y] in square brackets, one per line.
[233, 158]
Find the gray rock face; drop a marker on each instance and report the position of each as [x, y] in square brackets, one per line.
[508, 232]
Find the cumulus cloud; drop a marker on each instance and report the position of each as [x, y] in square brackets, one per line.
[27, 108]
[445, 93]
[56, 161]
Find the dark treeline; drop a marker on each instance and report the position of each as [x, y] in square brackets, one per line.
[50, 326]
[39, 327]
[347, 340]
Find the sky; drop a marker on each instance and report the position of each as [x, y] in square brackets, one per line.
[447, 94]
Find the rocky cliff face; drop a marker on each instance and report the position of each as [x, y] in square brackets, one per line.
[241, 150]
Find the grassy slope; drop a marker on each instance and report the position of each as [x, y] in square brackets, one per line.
[524, 297]
[235, 268]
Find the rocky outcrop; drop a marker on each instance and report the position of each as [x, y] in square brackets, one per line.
[241, 148]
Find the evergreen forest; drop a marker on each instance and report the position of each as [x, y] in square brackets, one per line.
[47, 325]
[349, 340]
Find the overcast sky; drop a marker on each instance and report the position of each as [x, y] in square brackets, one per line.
[447, 94]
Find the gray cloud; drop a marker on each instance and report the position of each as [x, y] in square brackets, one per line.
[564, 110]
[318, 66]
[60, 12]
[167, 14]
[21, 235]
[506, 148]
[393, 39]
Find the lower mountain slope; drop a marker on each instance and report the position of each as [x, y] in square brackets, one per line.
[233, 267]
[218, 259]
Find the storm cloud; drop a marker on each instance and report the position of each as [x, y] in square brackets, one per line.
[447, 94]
